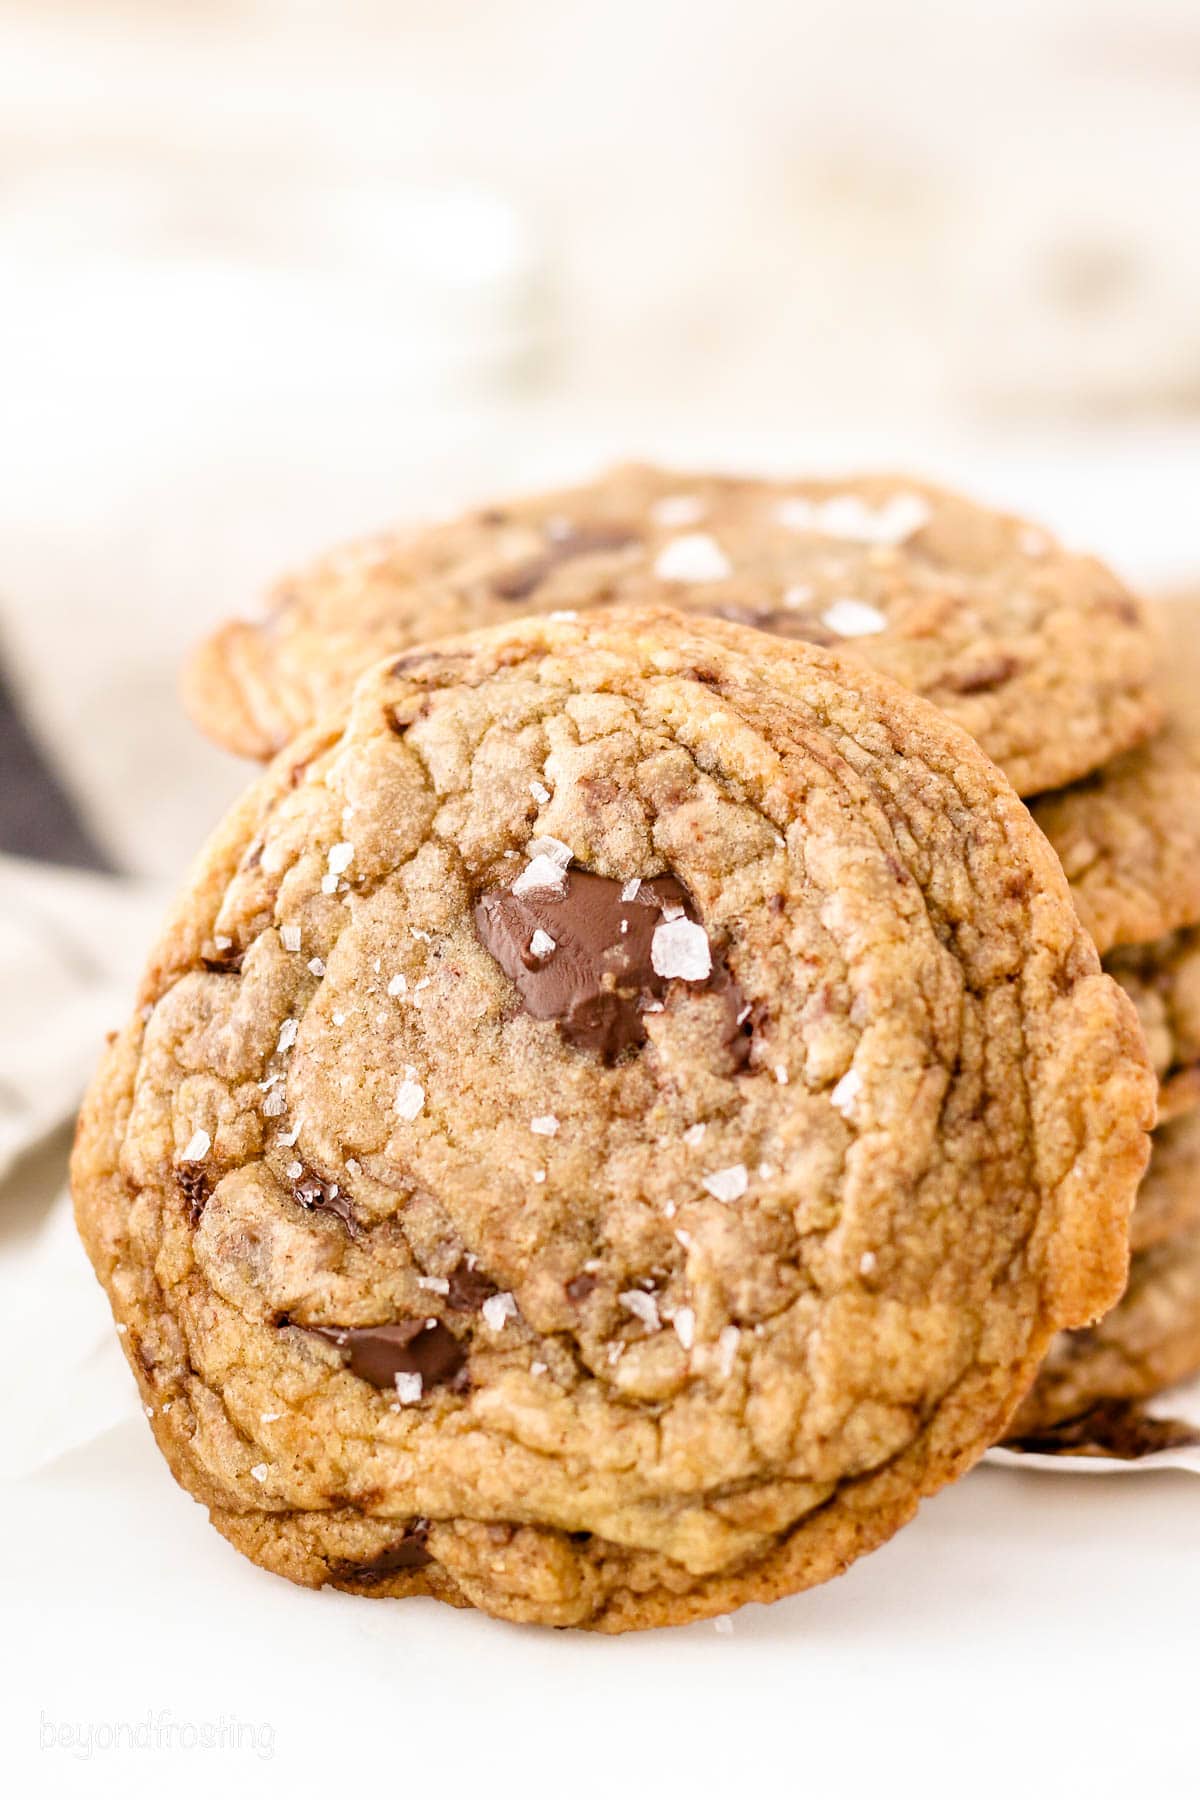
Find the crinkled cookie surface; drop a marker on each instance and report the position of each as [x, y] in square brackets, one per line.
[1163, 981]
[1041, 655]
[618, 1289]
[1145, 1344]
[1129, 836]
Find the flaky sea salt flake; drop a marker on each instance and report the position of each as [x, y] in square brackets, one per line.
[497, 1309]
[679, 950]
[409, 1387]
[198, 1147]
[289, 936]
[545, 1125]
[849, 618]
[727, 1184]
[542, 875]
[846, 1093]
[643, 1307]
[684, 1324]
[410, 1095]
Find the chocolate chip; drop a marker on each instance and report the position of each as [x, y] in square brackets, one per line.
[195, 1184]
[992, 673]
[581, 1287]
[378, 1353]
[408, 1552]
[587, 540]
[469, 1288]
[785, 622]
[600, 977]
[226, 961]
[315, 1195]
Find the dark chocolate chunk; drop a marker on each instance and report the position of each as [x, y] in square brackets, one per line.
[408, 1552]
[779, 621]
[469, 1288]
[1118, 1428]
[600, 977]
[986, 675]
[378, 1353]
[315, 1195]
[224, 961]
[581, 1287]
[587, 540]
[195, 1184]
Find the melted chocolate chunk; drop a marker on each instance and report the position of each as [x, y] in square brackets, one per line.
[778, 621]
[195, 1184]
[588, 540]
[580, 1287]
[224, 962]
[469, 1288]
[1120, 1428]
[987, 675]
[598, 980]
[315, 1195]
[408, 1552]
[378, 1353]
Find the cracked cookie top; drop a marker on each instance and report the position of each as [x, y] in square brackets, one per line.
[631, 1084]
[1041, 655]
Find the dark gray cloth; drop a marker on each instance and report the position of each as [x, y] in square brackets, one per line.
[37, 816]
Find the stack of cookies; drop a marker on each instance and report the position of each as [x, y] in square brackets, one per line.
[1040, 656]
[626, 1105]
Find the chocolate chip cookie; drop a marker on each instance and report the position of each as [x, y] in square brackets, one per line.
[614, 1120]
[1168, 1201]
[1163, 981]
[1147, 1343]
[1042, 656]
[1129, 836]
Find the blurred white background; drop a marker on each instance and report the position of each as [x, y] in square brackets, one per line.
[273, 271]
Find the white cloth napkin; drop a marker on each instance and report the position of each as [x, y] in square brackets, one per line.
[71, 946]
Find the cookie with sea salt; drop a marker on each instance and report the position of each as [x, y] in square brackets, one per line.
[1041, 655]
[1129, 836]
[1163, 981]
[1168, 1201]
[1146, 1344]
[613, 1121]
